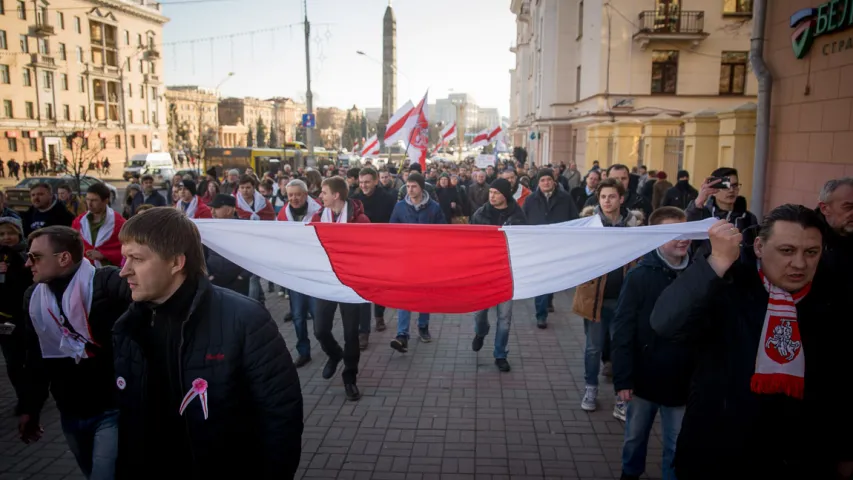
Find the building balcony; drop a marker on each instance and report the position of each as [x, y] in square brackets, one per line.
[42, 30]
[152, 54]
[43, 61]
[685, 26]
[152, 78]
[109, 71]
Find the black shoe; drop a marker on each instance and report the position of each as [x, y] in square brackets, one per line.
[541, 323]
[502, 364]
[331, 367]
[301, 361]
[352, 392]
[625, 476]
[288, 317]
[551, 309]
[477, 344]
[423, 333]
[401, 344]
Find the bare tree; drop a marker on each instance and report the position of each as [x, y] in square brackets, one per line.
[85, 148]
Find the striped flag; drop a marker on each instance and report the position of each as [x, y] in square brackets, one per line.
[447, 134]
[397, 125]
[371, 147]
[481, 138]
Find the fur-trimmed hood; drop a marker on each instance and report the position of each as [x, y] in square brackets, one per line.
[630, 218]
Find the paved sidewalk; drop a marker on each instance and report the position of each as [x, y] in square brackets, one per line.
[440, 411]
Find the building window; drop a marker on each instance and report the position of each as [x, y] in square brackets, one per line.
[60, 20]
[7, 109]
[733, 73]
[30, 111]
[128, 65]
[142, 91]
[126, 37]
[66, 112]
[145, 141]
[141, 70]
[63, 81]
[737, 7]
[34, 144]
[580, 19]
[79, 54]
[22, 10]
[28, 78]
[82, 113]
[139, 39]
[78, 26]
[144, 118]
[3, 44]
[578, 75]
[130, 116]
[118, 141]
[130, 90]
[25, 44]
[2, 8]
[44, 47]
[103, 143]
[133, 141]
[63, 53]
[664, 71]
[48, 80]
[13, 144]
[81, 84]
[48, 110]
[4, 74]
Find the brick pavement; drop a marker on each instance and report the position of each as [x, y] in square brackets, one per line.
[440, 411]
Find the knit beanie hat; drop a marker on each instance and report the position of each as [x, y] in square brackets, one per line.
[15, 222]
[547, 172]
[189, 185]
[415, 167]
[502, 185]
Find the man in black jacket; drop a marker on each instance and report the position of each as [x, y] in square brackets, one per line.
[221, 271]
[760, 325]
[501, 210]
[207, 388]
[378, 205]
[633, 201]
[70, 314]
[682, 194]
[548, 204]
[721, 200]
[836, 208]
[45, 211]
[650, 373]
[15, 279]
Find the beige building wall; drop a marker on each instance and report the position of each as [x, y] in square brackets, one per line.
[63, 71]
[584, 62]
[193, 106]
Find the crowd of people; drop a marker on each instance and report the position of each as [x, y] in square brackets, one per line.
[156, 347]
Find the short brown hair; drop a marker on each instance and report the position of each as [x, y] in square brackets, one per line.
[667, 213]
[47, 187]
[248, 179]
[337, 185]
[610, 183]
[144, 207]
[168, 233]
[148, 176]
[61, 239]
[368, 171]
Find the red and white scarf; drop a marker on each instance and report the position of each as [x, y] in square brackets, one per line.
[780, 365]
[258, 204]
[313, 207]
[104, 234]
[190, 211]
[64, 336]
[327, 215]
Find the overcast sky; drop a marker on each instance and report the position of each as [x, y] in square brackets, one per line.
[443, 45]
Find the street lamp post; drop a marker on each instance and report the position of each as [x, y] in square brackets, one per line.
[460, 125]
[309, 97]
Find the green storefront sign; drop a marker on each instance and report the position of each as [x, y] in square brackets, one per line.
[811, 23]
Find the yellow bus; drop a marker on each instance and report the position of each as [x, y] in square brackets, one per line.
[262, 160]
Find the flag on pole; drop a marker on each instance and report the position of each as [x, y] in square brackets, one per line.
[481, 138]
[447, 134]
[494, 133]
[419, 136]
[371, 147]
[396, 128]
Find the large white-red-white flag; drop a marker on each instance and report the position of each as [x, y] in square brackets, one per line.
[481, 138]
[371, 147]
[494, 133]
[419, 137]
[447, 134]
[397, 125]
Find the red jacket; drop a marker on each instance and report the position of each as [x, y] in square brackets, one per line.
[266, 213]
[355, 209]
[111, 249]
[201, 209]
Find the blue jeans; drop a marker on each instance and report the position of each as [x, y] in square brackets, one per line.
[481, 326]
[541, 303]
[595, 342]
[94, 443]
[300, 306]
[256, 292]
[640, 418]
[404, 318]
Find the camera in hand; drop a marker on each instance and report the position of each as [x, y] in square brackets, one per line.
[724, 183]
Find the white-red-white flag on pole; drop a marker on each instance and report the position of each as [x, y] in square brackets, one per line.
[481, 138]
[447, 134]
[494, 133]
[419, 138]
[371, 147]
[396, 128]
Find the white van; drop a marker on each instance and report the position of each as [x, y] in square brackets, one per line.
[143, 163]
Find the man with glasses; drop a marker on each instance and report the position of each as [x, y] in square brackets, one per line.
[70, 314]
[720, 198]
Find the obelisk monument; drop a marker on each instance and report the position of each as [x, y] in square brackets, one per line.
[389, 69]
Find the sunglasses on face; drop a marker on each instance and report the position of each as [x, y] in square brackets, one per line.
[35, 257]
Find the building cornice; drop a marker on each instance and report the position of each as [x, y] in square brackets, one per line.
[134, 9]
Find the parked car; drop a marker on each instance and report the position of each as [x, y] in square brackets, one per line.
[18, 197]
[143, 163]
[162, 177]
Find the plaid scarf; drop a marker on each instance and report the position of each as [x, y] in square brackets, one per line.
[780, 363]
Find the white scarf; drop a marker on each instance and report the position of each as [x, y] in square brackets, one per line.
[104, 233]
[326, 217]
[54, 330]
[190, 211]
[313, 207]
[259, 203]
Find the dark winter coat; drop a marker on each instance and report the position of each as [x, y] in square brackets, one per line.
[447, 196]
[541, 210]
[18, 280]
[156, 199]
[728, 428]
[655, 368]
[681, 195]
[489, 215]
[254, 424]
[478, 195]
[226, 274]
[740, 217]
[837, 257]
[83, 389]
[428, 212]
[580, 197]
[379, 206]
[57, 214]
